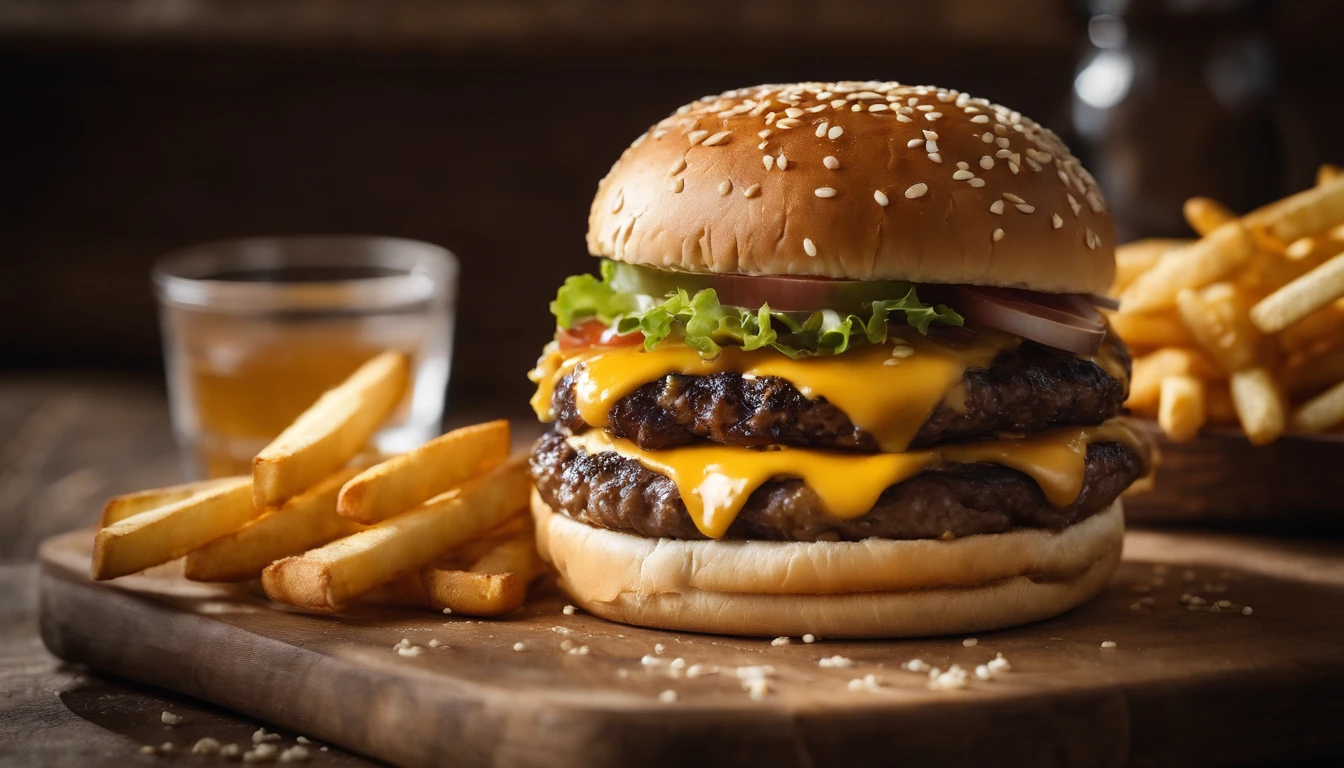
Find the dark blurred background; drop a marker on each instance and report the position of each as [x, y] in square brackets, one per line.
[131, 128]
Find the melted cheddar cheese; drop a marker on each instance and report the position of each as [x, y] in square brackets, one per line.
[715, 481]
[889, 397]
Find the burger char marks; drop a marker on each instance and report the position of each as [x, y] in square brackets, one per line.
[607, 490]
[1026, 389]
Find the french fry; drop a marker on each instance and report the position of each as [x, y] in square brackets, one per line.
[305, 521]
[1308, 212]
[1205, 214]
[1307, 374]
[1324, 325]
[1327, 173]
[436, 467]
[1145, 382]
[331, 431]
[1216, 317]
[408, 589]
[119, 508]
[1208, 260]
[1180, 410]
[166, 533]
[1259, 405]
[1133, 259]
[327, 578]
[1321, 412]
[494, 585]
[1152, 329]
[1301, 297]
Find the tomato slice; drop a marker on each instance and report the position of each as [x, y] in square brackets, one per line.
[592, 333]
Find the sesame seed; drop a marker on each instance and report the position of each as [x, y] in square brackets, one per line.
[856, 108]
[809, 247]
[793, 112]
[881, 198]
[668, 696]
[904, 119]
[835, 132]
[1002, 142]
[1247, 611]
[987, 162]
[930, 135]
[778, 641]
[725, 187]
[916, 190]
[976, 182]
[677, 185]
[751, 191]
[837, 103]
[821, 129]
[963, 165]
[568, 610]
[831, 162]
[987, 137]
[660, 133]
[914, 143]
[969, 642]
[1023, 207]
[659, 648]
[447, 611]
[719, 138]
[816, 109]
[677, 167]
[696, 137]
[1010, 197]
[769, 162]
[765, 134]
[980, 119]
[996, 207]
[962, 176]
[566, 645]
[1003, 154]
[824, 192]
[931, 147]
[788, 122]
[835, 662]
[1056, 221]
[1013, 167]
[923, 107]
[877, 107]
[762, 145]
[933, 115]
[935, 157]
[1108, 643]
[998, 235]
[809, 638]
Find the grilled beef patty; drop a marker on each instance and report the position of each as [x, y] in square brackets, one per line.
[607, 490]
[1026, 389]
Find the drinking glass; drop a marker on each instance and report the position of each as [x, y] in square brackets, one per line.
[255, 330]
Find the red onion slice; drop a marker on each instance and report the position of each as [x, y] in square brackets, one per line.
[1063, 321]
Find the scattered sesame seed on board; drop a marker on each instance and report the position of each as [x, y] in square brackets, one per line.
[881, 198]
[916, 190]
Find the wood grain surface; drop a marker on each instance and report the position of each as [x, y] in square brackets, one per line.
[1181, 687]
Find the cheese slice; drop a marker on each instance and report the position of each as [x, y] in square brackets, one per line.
[715, 481]
[887, 396]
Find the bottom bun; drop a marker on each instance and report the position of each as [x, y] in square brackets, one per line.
[859, 589]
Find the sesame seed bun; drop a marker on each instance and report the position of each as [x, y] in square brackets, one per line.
[864, 589]
[920, 184]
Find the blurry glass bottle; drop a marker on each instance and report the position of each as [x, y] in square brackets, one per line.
[1175, 99]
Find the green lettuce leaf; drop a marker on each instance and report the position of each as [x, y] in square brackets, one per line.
[705, 325]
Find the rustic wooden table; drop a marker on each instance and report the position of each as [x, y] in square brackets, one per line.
[68, 441]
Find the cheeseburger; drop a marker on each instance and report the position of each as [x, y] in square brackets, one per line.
[842, 373]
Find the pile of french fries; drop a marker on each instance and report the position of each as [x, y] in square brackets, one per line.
[442, 526]
[1244, 325]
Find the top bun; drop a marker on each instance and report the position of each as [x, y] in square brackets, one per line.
[861, 181]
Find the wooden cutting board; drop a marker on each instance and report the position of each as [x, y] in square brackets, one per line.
[1181, 687]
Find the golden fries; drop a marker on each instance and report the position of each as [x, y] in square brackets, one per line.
[1206, 261]
[1180, 410]
[119, 508]
[330, 432]
[305, 521]
[1259, 405]
[1321, 412]
[1216, 317]
[1305, 213]
[1146, 381]
[327, 578]
[1205, 214]
[1301, 297]
[1133, 259]
[166, 533]
[1143, 330]
[1307, 374]
[438, 466]
[494, 585]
